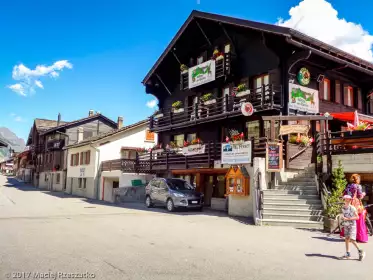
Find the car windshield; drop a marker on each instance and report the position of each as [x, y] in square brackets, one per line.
[179, 185]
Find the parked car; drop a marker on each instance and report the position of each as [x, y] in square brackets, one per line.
[173, 193]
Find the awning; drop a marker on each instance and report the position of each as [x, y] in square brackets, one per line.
[350, 116]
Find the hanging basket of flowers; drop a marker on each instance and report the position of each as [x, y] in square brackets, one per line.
[177, 107]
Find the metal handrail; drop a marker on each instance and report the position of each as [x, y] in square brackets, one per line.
[259, 194]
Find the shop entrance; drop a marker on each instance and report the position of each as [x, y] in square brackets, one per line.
[210, 182]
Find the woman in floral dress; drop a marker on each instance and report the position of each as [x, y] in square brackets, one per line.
[355, 191]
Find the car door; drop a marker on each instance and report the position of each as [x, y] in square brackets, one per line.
[154, 186]
[163, 191]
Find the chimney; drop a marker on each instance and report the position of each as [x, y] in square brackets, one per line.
[80, 134]
[120, 122]
[59, 119]
[91, 112]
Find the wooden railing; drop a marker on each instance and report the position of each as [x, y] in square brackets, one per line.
[341, 142]
[168, 160]
[264, 98]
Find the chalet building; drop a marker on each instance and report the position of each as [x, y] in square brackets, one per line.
[223, 79]
[88, 177]
[47, 140]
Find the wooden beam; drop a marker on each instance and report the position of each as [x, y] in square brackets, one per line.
[202, 171]
[204, 34]
[296, 118]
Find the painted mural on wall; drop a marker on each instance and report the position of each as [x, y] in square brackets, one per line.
[303, 99]
[202, 73]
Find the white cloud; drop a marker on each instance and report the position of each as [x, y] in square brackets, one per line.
[30, 79]
[17, 118]
[151, 104]
[18, 88]
[318, 19]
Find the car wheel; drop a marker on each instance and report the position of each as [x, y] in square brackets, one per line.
[170, 205]
[148, 202]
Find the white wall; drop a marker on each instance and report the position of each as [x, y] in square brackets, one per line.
[131, 138]
[82, 170]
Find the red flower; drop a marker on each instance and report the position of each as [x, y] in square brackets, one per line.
[311, 140]
[241, 135]
[227, 139]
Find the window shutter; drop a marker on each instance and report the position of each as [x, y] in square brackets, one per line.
[77, 159]
[321, 90]
[72, 160]
[88, 157]
[81, 158]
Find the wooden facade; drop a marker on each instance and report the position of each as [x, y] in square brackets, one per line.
[266, 59]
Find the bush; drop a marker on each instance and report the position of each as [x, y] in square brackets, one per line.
[334, 200]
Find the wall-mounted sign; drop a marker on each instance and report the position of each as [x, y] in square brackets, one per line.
[202, 74]
[274, 157]
[82, 172]
[297, 128]
[303, 99]
[193, 150]
[304, 76]
[247, 109]
[232, 153]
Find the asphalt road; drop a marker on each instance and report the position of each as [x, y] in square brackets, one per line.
[53, 236]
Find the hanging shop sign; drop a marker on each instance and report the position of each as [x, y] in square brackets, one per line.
[274, 157]
[232, 153]
[303, 99]
[297, 128]
[247, 109]
[304, 76]
[202, 74]
[193, 150]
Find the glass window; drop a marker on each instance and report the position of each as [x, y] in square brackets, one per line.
[80, 183]
[58, 178]
[179, 140]
[84, 183]
[260, 81]
[179, 185]
[191, 137]
[162, 184]
[348, 96]
[253, 129]
[359, 99]
[238, 185]
[200, 60]
[267, 128]
[326, 89]
[337, 92]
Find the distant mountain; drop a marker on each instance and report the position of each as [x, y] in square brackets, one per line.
[17, 144]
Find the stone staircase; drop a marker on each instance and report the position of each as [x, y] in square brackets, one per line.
[294, 203]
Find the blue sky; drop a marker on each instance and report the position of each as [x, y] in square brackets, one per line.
[111, 45]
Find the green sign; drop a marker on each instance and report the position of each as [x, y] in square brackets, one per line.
[304, 76]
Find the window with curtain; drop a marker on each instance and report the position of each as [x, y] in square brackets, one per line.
[179, 140]
[337, 92]
[325, 90]
[348, 94]
[191, 137]
[259, 81]
[359, 99]
[253, 129]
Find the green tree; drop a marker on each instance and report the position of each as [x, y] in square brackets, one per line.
[334, 200]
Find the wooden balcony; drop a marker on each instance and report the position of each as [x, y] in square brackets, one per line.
[267, 97]
[55, 145]
[168, 160]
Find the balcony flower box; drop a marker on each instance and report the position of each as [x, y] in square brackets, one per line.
[157, 151]
[243, 93]
[209, 102]
[158, 115]
[177, 110]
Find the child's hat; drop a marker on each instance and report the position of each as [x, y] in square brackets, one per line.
[347, 196]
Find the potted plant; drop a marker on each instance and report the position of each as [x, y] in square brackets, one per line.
[196, 141]
[156, 149]
[183, 69]
[177, 107]
[235, 137]
[302, 140]
[242, 90]
[208, 99]
[334, 200]
[172, 146]
[216, 55]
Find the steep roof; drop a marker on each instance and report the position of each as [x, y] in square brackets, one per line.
[82, 120]
[294, 37]
[43, 124]
[108, 134]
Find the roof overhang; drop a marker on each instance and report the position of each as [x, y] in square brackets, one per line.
[294, 37]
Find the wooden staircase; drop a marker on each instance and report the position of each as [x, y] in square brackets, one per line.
[294, 203]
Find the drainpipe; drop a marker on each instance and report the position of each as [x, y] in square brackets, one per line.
[97, 171]
[68, 140]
